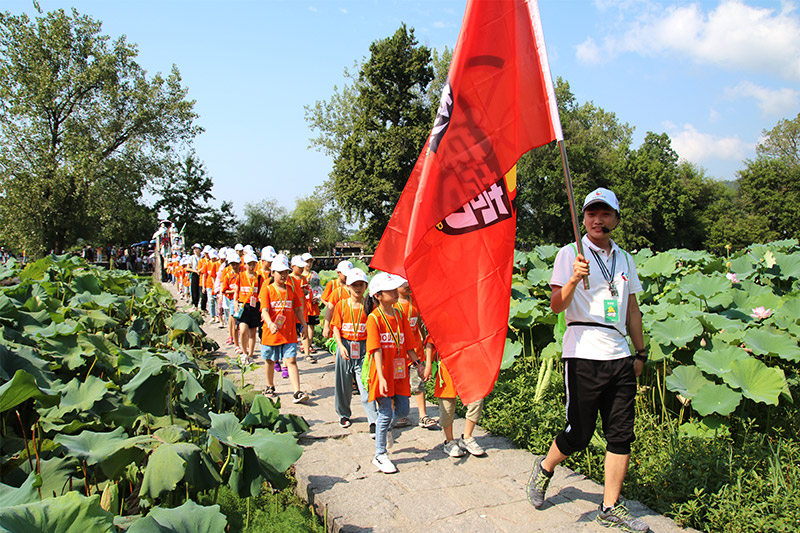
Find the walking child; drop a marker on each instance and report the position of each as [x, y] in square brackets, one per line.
[410, 311]
[335, 290]
[230, 282]
[389, 342]
[445, 390]
[246, 306]
[281, 309]
[349, 325]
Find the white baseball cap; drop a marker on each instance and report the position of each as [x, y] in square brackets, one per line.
[306, 256]
[233, 257]
[356, 274]
[248, 248]
[197, 245]
[238, 247]
[602, 195]
[250, 258]
[344, 266]
[206, 248]
[223, 252]
[268, 254]
[385, 282]
[280, 263]
[213, 254]
[297, 261]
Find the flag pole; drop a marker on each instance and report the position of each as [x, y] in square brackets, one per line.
[572, 209]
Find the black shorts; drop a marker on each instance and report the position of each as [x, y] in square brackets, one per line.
[607, 387]
[250, 316]
[313, 320]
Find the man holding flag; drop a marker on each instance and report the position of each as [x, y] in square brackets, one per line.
[453, 230]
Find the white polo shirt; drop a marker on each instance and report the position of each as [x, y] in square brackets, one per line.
[593, 342]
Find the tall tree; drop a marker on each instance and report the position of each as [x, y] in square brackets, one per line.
[782, 142]
[376, 137]
[185, 196]
[263, 224]
[79, 121]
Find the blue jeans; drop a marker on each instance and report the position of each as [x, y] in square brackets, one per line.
[212, 302]
[386, 419]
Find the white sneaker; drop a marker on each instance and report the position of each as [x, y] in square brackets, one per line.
[470, 445]
[384, 464]
[452, 448]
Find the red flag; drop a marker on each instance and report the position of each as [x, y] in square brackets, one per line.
[452, 232]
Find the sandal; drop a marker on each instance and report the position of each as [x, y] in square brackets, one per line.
[269, 392]
[238, 350]
[229, 340]
[427, 422]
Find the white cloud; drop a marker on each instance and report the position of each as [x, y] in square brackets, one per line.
[771, 102]
[343, 11]
[313, 9]
[733, 35]
[699, 147]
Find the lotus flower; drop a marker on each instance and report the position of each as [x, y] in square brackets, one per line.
[732, 276]
[759, 313]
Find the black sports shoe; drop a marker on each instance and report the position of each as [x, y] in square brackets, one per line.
[372, 430]
[619, 516]
[537, 483]
[345, 422]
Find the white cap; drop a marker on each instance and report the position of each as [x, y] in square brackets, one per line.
[223, 252]
[602, 195]
[344, 266]
[297, 261]
[233, 257]
[197, 245]
[213, 254]
[306, 256]
[206, 248]
[268, 254]
[250, 258]
[356, 274]
[385, 282]
[248, 248]
[238, 247]
[280, 263]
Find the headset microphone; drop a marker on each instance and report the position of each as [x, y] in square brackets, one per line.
[605, 230]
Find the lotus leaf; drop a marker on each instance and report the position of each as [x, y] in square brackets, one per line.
[173, 434]
[757, 381]
[25, 493]
[765, 342]
[710, 427]
[70, 513]
[742, 266]
[188, 518]
[658, 265]
[263, 412]
[88, 300]
[686, 380]
[21, 388]
[789, 265]
[713, 322]
[8, 311]
[703, 286]
[94, 447]
[676, 332]
[172, 463]
[147, 388]
[80, 396]
[547, 252]
[717, 360]
[86, 283]
[713, 398]
[787, 315]
[539, 276]
[64, 350]
[510, 353]
[183, 323]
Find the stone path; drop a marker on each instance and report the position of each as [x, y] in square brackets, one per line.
[431, 492]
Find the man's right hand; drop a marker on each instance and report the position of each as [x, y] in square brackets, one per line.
[580, 268]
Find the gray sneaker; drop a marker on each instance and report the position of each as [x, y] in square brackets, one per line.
[619, 516]
[471, 445]
[537, 483]
[452, 448]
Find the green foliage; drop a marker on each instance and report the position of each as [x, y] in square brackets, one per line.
[83, 129]
[84, 410]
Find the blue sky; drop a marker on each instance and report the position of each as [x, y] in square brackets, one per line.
[711, 74]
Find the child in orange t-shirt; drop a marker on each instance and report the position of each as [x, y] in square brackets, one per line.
[335, 290]
[281, 310]
[210, 270]
[301, 283]
[410, 311]
[349, 325]
[445, 390]
[391, 341]
[313, 295]
[246, 306]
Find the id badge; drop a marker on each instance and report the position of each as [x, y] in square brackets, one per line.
[611, 310]
[355, 350]
[253, 301]
[280, 320]
[400, 368]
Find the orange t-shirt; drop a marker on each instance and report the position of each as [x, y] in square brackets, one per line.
[393, 335]
[201, 269]
[300, 285]
[229, 281]
[247, 286]
[211, 269]
[312, 307]
[444, 386]
[345, 318]
[334, 291]
[408, 310]
[280, 302]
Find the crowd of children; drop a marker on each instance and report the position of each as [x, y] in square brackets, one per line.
[275, 302]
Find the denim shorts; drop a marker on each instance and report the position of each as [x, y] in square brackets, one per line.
[279, 352]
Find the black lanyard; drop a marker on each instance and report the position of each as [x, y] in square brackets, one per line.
[608, 276]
